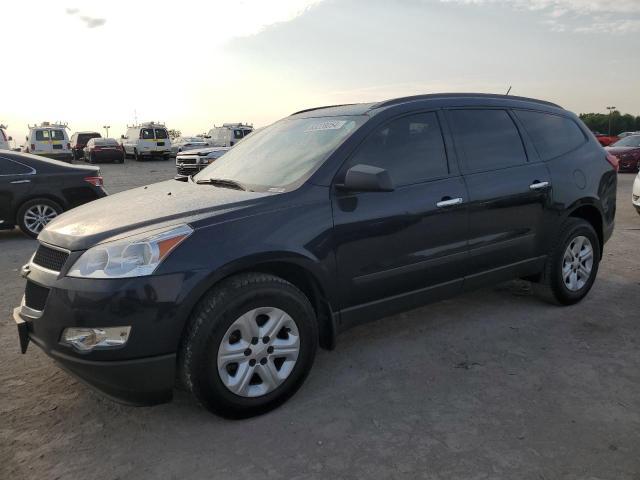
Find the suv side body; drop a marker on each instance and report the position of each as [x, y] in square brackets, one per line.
[492, 205]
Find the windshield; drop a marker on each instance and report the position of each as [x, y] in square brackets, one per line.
[282, 154]
[630, 141]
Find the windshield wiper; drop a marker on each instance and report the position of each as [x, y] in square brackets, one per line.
[222, 182]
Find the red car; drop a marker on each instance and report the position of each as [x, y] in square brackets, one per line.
[605, 140]
[628, 152]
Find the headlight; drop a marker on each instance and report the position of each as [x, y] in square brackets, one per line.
[134, 256]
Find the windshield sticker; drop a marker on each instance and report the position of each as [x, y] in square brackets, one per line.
[327, 125]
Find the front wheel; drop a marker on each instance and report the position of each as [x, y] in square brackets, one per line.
[35, 214]
[249, 345]
[572, 266]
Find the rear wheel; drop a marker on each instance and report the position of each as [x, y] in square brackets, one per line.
[249, 345]
[136, 156]
[35, 214]
[572, 266]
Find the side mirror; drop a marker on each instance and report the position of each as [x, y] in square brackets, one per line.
[366, 178]
[122, 137]
[26, 138]
[10, 139]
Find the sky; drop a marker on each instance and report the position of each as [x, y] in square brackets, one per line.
[193, 64]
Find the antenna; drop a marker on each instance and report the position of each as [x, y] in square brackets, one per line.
[508, 91]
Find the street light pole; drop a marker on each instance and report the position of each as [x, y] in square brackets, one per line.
[107, 127]
[611, 109]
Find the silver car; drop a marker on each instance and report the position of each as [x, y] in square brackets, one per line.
[192, 161]
[182, 144]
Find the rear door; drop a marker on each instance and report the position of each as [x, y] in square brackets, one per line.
[163, 143]
[147, 142]
[41, 141]
[399, 249]
[15, 184]
[509, 195]
[59, 141]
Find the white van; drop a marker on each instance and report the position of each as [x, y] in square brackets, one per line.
[49, 140]
[228, 134]
[4, 140]
[147, 140]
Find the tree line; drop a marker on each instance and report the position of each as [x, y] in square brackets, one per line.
[599, 122]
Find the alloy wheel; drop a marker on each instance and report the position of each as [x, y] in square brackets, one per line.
[577, 263]
[38, 216]
[258, 352]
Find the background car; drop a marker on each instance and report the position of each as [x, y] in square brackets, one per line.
[182, 144]
[626, 134]
[4, 140]
[192, 161]
[103, 149]
[49, 140]
[635, 196]
[79, 141]
[628, 152]
[34, 190]
[605, 140]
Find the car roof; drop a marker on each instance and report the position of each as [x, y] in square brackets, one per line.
[440, 98]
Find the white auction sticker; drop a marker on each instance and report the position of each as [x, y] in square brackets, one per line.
[326, 125]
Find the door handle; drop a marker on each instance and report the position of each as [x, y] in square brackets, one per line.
[448, 202]
[539, 185]
[21, 181]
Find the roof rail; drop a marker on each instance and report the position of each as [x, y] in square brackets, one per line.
[320, 108]
[57, 124]
[428, 96]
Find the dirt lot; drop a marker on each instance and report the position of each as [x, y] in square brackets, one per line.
[494, 384]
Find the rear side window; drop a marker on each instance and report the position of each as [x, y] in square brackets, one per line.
[489, 139]
[410, 148]
[146, 133]
[8, 167]
[552, 135]
[161, 133]
[42, 135]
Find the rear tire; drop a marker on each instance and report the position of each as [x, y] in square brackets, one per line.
[227, 323]
[33, 215]
[136, 156]
[572, 265]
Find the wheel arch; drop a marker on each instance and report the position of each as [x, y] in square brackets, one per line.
[47, 196]
[298, 271]
[592, 214]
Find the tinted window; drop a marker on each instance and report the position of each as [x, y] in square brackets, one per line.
[8, 167]
[42, 135]
[410, 148]
[146, 133]
[488, 139]
[57, 135]
[83, 138]
[161, 133]
[238, 134]
[552, 135]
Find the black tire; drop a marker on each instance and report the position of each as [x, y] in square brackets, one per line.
[213, 316]
[552, 287]
[136, 157]
[20, 216]
[90, 158]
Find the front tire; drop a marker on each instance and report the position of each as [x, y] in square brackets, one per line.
[35, 214]
[249, 345]
[572, 266]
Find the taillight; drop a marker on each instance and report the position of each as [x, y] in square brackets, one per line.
[95, 181]
[613, 160]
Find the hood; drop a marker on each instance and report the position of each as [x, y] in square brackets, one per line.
[145, 208]
[204, 151]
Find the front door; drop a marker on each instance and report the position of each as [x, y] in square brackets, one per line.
[399, 249]
[15, 184]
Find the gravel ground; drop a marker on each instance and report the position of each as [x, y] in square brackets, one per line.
[493, 384]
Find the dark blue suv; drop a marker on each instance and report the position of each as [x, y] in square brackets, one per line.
[328, 218]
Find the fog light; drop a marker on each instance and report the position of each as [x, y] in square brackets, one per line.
[86, 339]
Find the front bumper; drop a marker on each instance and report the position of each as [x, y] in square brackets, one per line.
[142, 372]
[141, 381]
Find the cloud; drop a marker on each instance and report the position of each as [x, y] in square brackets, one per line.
[579, 16]
[91, 22]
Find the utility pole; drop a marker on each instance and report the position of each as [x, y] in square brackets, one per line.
[611, 110]
[107, 127]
